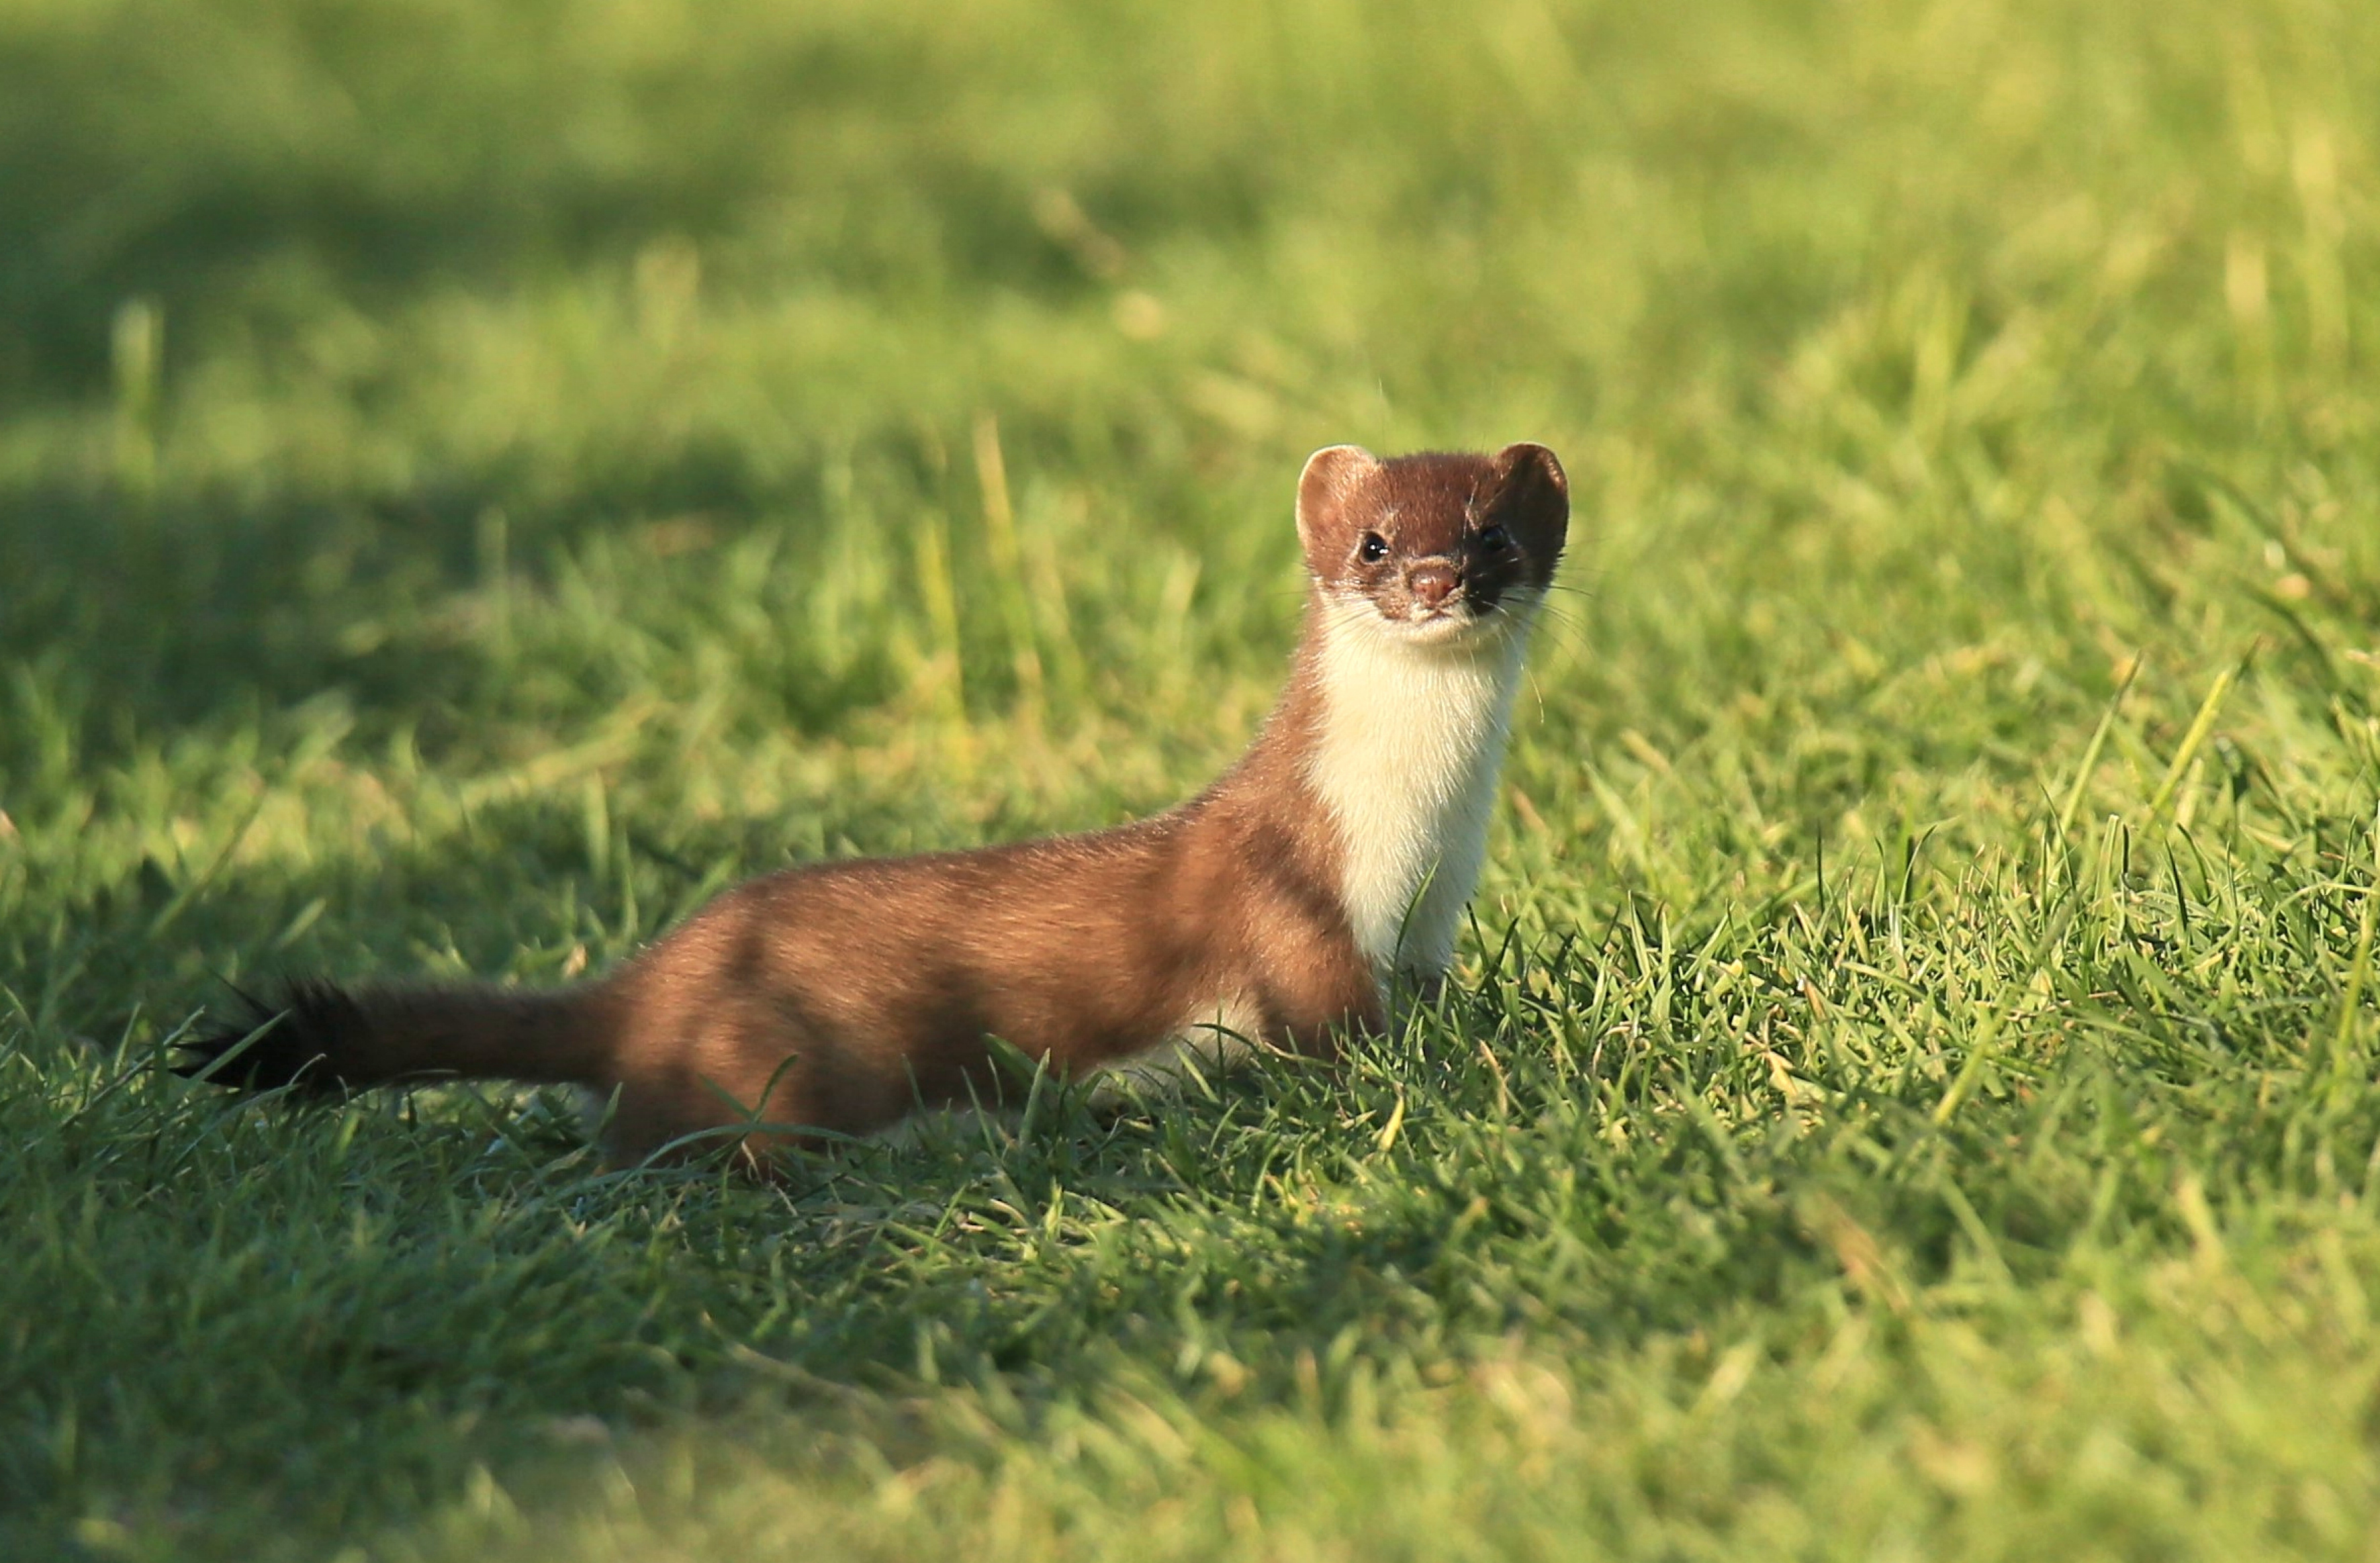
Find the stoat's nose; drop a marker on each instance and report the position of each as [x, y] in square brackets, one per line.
[1432, 583]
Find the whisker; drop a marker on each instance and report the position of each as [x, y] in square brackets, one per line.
[1536, 690]
[1580, 593]
[1568, 627]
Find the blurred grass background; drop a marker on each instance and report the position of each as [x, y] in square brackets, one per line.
[475, 479]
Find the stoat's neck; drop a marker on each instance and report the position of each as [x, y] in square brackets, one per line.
[1407, 743]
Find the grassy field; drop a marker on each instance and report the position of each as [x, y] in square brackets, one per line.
[477, 477]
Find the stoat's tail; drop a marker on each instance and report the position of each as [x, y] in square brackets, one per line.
[323, 1038]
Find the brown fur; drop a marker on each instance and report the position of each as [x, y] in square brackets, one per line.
[840, 996]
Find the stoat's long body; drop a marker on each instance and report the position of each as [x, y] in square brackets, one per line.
[1278, 907]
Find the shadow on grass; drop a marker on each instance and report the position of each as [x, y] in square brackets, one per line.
[179, 610]
[358, 148]
[245, 162]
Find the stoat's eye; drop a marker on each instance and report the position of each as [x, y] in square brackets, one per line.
[1373, 548]
[1495, 539]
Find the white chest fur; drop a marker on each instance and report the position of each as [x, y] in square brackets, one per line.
[1411, 737]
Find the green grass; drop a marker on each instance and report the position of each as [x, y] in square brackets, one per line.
[475, 479]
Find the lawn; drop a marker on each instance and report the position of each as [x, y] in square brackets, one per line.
[475, 479]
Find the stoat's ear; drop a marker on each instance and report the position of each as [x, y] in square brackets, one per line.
[1531, 478]
[1331, 476]
[1531, 496]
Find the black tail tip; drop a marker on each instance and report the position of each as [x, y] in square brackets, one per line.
[294, 1045]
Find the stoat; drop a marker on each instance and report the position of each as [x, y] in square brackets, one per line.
[1282, 907]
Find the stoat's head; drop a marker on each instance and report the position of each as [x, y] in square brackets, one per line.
[1436, 548]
